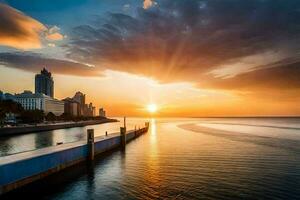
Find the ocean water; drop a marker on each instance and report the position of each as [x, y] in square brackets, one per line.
[190, 158]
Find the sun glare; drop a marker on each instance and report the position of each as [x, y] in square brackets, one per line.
[152, 108]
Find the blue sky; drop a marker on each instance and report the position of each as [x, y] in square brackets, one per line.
[69, 13]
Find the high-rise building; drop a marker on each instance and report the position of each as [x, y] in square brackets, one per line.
[86, 110]
[94, 111]
[79, 97]
[102, 112]
[44, 83]
[72, 107]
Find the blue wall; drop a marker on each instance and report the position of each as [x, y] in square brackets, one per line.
[18, 170]
[107, 144]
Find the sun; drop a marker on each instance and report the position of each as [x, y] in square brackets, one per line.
[152, 108]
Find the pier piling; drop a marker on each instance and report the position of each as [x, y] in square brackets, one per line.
[123, 137]
[147, 124]
[90, 144]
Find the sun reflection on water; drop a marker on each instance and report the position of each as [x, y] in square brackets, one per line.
[153, 136]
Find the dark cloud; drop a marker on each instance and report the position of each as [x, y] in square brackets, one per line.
[34, 62]
[185, 39]
[283, 75]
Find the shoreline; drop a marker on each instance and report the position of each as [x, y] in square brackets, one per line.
[17, 130]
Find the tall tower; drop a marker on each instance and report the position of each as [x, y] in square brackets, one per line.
[44, 83]
[79, 97]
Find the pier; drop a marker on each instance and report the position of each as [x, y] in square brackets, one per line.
[24, 168]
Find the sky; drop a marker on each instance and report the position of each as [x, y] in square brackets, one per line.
[192, 58]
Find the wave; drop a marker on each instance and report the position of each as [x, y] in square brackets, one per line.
[257, 125]
[287, 144]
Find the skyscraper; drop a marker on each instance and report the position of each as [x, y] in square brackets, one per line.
[102, 112]
[44, 83]
[79, 97]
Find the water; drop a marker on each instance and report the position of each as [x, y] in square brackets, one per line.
[33, 141]
[251, 158]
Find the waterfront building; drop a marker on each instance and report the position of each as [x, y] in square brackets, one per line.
[31, 101]
[90, 110]
[86, 110]
[71, 107]
[94, 111]
[102, 112]
[44, 83]
[1, 95]
[79, 97]
[6, 96]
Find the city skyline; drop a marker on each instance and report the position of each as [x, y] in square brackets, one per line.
[246, 62]
[43, 99]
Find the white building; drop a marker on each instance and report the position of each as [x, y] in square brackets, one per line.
[30, 101]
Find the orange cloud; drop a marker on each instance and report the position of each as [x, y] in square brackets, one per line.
[147, 4]
[20, 31]
[53, 34]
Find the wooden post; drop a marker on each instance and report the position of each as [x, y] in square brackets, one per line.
[124, 122]
[146, 125]
[90, 144]
[123, 137]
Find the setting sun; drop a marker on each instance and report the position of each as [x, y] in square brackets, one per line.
[152, 108]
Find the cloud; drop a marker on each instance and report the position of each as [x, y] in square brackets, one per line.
[126, 7]
[282, 75]
[53, 34]
[184, 40]
[147, 4]
[20, 31]
[34, 62]
[51, 45]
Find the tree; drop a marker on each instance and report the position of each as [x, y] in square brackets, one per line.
[66, 117]
[51, 117]
[9, 106]
[32, 116]
[2, 116]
